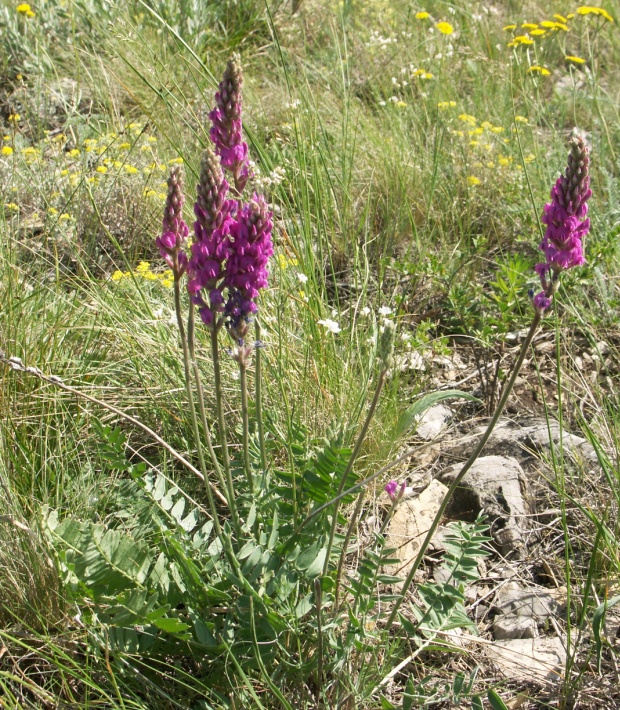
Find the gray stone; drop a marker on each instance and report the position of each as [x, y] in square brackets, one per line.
[497, 485]
[512, 626]
[536, 602]
[537, 660]
[410, 523]
[433, 421]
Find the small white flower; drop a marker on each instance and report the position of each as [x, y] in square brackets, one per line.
[302, 277]
[372, 340]
[382, 103]
[384, 311]
[334, 312]
[365, 311]
[331, 325]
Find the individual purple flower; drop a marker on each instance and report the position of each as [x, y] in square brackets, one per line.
[226, 132]
[210, 247]
[393, 490]
[567, 223]
[172, 240]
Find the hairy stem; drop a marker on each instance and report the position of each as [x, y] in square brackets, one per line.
[466, 466]
[190, 399]
[245, 417]
[354, 453]
[201, 401]
[258, 385]
[217, 381]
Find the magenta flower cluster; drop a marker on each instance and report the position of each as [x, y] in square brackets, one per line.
[226, 130]
[567, 223]
[171, 243]
[232, 240]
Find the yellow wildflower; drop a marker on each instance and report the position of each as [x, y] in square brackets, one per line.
[152, 139]
[117, 275]
[538, 33]
[102, 169]
[14, 118]
[473, 144]
[11, 206]
[422, 15]
[509, 28]
[521, 119]
[523, 39]
[25, 9]
[7, 150]
[497, 129]
[530, 26]
[124, 146]
[548, 24]
[473, 180]
[174, 161]
[468, 118]
[504, 162]
[576, 60]
[587, 10]
[541, 70]
[560, 18]
[74, 153]
[446, 104]
[490, 165]
[168, 283]
[130, 169]
[143, 267]
[445, 28]
[64, 217]
[529, 158]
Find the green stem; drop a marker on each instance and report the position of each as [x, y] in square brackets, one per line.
[355, 452]
[222, 425]
[258, 385]
[245, 417]
[201, 402]
[190, 399]
[467, 465]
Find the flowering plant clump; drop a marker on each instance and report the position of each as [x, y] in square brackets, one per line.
[567, 223]
[232, 240]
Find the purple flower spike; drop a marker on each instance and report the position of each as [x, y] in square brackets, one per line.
[226, 118]
[250, 247]
[567, 223]
[210, 248]
[175, 231]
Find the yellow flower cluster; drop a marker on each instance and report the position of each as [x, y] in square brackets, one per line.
[547, 28]
[535, 68]
[285, 261]
[25, 9]
[143, 270]
[588, 10]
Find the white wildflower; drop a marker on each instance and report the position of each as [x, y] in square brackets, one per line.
[331, 325]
